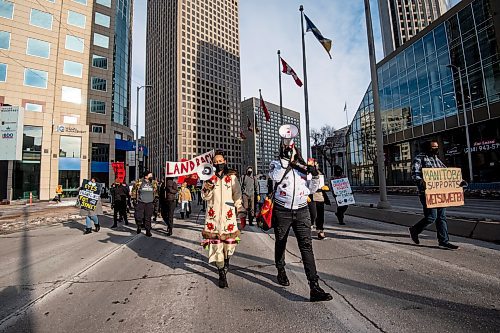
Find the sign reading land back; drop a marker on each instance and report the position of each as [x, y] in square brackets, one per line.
[89, 195]
[442, 187]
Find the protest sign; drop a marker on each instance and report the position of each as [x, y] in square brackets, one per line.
[119, 170]
[184, 168]
[89, 195]
[442, 187]
[262, 186]
[342, 190]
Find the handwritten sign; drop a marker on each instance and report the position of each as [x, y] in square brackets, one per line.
[442, 187]
[89, 195]
[119, 170]
[262, 186]
[342, 190]
[176, 169]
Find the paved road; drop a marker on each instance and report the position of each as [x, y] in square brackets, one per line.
[54, 279]
[473, 208]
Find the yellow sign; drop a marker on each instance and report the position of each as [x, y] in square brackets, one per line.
[442, 187]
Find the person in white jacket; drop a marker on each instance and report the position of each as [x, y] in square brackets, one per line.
[290, 211]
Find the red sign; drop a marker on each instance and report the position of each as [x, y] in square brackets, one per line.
[119, 170]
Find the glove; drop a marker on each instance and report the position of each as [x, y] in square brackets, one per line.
[325, 188]
[463, 183]
[312, 170]
[258, 198]
[243, 222]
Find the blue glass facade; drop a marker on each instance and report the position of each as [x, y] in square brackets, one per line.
[420, 98]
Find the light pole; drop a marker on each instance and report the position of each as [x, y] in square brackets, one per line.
[383, 203]
[137, 131]
[467, 138]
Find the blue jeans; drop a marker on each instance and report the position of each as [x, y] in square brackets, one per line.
[94, 218]
[433, 215]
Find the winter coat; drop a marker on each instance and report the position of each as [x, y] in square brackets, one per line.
[185, 194]
[248, 185]
[168, 190]
[120, 192]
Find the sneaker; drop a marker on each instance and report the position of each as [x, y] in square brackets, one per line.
[414, 236]
[448, 246]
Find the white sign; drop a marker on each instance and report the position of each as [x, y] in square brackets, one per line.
[262, 186]
[342, 190]
[131, 158]
[176, 169]
[11, 133]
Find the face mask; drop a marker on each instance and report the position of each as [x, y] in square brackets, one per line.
[249, 172]
[150, 178]
[287, 153]
[219, 167]
[434, 151]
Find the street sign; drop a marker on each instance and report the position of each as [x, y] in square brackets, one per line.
[11, 133]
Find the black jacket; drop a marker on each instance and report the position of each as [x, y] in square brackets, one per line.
[120, 192]
[168, 190]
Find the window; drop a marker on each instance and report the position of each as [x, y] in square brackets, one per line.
[76, 19]
[102, 19]
[38, 48]
[99, 61]
[106, 3]
[97, 129]
[100, 151]
[3, 72]
[98, 84]
[70, 146]
[35, 78]
[97, 106]
[101, 40]
[74, 43]
[6, 9]
[71, 95]
[73, 68]
[33, 107]
[41, 19]
[83, 2]
[4, 40]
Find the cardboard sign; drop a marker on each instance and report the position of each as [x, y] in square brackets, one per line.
[89, 195]
[342, 190]
[176, 169]
[442, 187]
[262, 186]
[119, 169]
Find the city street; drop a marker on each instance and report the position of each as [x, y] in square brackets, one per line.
[54, 279]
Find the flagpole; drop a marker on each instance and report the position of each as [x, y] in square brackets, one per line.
[306, 99]
[346, 117]
[281, 98]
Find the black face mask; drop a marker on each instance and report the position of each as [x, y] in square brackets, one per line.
[287, 153]
[434, 151]
[220, 167]
[249, 173]
[150, 179]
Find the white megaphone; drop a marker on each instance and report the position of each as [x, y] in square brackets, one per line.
[288, 132]
[205, 171]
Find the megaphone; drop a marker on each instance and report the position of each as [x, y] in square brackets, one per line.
[205, 171]
[288, 132]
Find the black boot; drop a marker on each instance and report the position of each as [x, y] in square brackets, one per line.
[87, 231]
[282, 278]
[138, 229]
[250, 220]
[187, 214]
[97, 227]
[222, 278]
[340, 218]
[182, 215]
[148, 232]
[226, 264]
[318, 294]
[115, 225]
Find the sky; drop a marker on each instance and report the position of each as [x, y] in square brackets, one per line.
[269, 25]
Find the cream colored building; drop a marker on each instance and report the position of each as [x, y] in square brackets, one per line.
[193, 65]
[58, 58]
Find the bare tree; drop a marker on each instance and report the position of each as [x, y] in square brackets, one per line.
[319, 139]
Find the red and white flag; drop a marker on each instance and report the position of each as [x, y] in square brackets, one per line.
[249, 125]
[289, 70]
[242, 135]
[264, 108]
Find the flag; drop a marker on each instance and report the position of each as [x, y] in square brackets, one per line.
[249, 125]
[289, 70]
[257, 131]
[327, 43]
[345, 107]
[264, 108]
[242, 136]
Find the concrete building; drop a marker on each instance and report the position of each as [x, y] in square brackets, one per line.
[67, 63]
[268, 139]
[400, 20]
[193, 65]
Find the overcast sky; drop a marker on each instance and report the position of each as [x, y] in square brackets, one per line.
[269, 25]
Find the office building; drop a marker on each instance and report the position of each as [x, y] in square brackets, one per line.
[193, 65]
[267, 139]
[421, 99]
[67, 63]
[400, 20]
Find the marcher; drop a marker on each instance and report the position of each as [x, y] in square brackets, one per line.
[290, 211]
[198, 192]
[91, 215]
[120, 195]
[59, 193]
[168, 190]
[263, 191]
[145, 196]
[184, 200]
[223, 196]
[249, 192]
[317, 203]
[339, 173]
[429, 159]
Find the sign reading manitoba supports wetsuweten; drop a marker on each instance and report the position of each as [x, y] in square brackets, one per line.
[442, 187]
[89, 195]
[343, 192]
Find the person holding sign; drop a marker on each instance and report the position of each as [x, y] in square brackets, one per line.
[338, 173]
[429, 159]
[90, 204]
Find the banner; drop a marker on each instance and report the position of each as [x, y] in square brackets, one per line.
[119, 170]
[442, 187]
[342, 190]
[11, 133]
[89, 195]
[176, 169]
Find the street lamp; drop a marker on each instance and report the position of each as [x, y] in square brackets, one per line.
[467, 138]
[137, 131]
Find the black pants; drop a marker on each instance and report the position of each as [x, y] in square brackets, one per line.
[167, 213]
[120, 207]
[340, 212]
[300, 221]
[143, 213]
[200, 199]
[317, 212]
